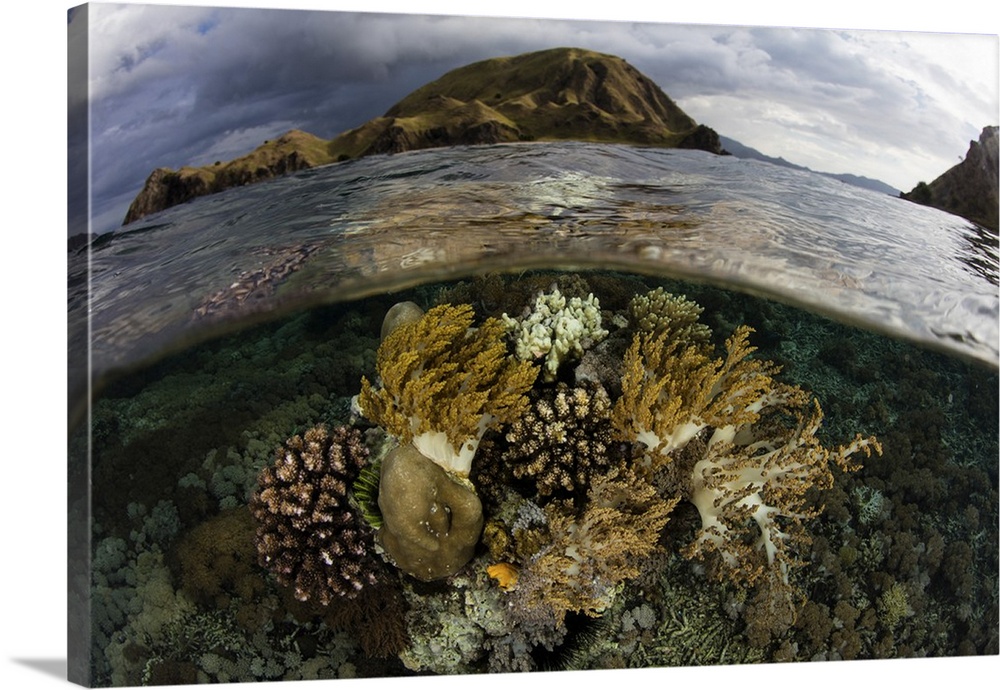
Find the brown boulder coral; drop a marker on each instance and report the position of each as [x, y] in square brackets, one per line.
[430, 522]
[308, 534]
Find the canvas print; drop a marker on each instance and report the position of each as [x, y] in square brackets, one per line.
[407, 345]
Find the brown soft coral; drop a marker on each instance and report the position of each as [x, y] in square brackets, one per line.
[589, 554]
[308, 534]
[443, 383]
[671, 391]
[740, 446]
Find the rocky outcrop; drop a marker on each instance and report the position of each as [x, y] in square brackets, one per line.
[969, 189]
[295, 150]
[165, 188]
[550, 95]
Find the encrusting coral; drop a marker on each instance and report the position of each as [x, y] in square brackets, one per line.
[308, 534]
[443, 383]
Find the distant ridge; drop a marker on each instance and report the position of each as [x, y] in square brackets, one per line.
[549, 95]
[969, 189]
[740, 151]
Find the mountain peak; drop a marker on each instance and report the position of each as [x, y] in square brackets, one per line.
[550, 95]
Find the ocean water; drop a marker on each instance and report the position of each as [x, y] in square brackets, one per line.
[219, 329]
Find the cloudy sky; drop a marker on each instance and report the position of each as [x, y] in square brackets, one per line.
[174, 85]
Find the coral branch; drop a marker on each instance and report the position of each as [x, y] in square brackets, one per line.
[751, 493]
[307, 533]
[444, 383]
[671, 390]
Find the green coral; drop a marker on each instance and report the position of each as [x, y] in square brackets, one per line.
[443, 638]
[893, 605]
[365, 492]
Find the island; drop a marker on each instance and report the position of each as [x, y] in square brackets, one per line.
[550, 95]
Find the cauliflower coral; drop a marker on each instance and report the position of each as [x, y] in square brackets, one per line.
[556, 330]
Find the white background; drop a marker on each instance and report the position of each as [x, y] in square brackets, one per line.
[33, 386]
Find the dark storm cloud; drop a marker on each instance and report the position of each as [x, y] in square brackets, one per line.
[190, 85]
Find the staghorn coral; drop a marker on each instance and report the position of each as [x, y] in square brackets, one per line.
[443, 383]
[562, 440]
[556, 329]
[659, 312]
[308, 534]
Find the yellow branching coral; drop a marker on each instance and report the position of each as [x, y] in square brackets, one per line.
[659, 311]
[591, 553]
[671, 390]
[443, 383]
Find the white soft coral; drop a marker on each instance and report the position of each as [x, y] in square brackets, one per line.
[750, 490]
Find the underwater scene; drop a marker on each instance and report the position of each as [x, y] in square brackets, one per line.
[476, 411]
[541, 471]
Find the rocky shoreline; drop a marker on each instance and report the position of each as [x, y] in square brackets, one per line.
[550, 95]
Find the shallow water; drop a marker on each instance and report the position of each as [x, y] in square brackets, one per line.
[902, 560]
[387, 222]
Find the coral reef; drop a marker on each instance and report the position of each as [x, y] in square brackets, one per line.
[762, 479]
[666, 500]
[588, 555]
[308, 534]
[443, 383]
[430, 522]
[556, 330]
